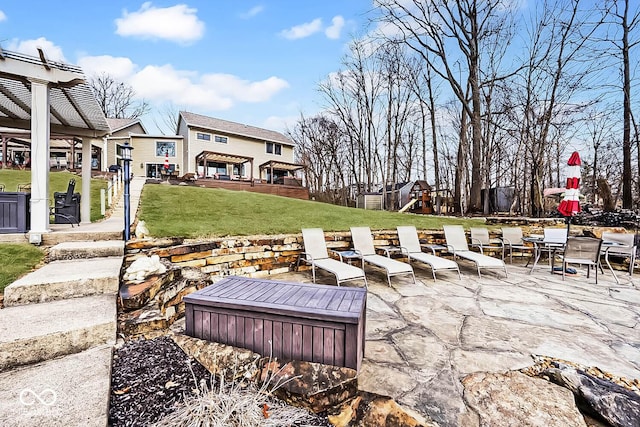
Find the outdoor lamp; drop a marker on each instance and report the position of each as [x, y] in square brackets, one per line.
[125, 154]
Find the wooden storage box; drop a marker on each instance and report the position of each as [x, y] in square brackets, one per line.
[291, 321]
[15, 212]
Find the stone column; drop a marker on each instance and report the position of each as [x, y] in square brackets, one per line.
[40, 121]
[85, 200]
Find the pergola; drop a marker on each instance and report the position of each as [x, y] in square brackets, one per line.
[233, 159]
[45, 97]
[274, 164]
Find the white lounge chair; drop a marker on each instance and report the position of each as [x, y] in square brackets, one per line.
[363, 244]
[316, 254]
[410, 246]
[457, 244]
[512, 239]
[480, 239]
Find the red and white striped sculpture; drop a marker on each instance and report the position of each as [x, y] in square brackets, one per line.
[166, 161]
[570, 204]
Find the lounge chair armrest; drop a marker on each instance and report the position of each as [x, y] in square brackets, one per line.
[452, 250]
[331, 251]
[307, 257]
[403, 250]
[387, 251]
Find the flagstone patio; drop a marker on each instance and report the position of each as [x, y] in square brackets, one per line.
[423, 338]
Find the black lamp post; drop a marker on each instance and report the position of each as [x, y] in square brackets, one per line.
[126, 159]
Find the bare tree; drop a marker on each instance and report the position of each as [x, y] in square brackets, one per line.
[628, 21]
[167, 122]
[321, 149]
[449, 35]
[116, 99]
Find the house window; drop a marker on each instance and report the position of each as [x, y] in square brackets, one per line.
[238, 170]
[203, 136]
[220, 139]
[273, 148]
[164, 147]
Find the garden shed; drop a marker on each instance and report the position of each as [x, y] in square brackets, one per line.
[371, 201]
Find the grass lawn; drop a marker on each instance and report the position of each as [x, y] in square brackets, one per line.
[16, 260]
[58, 182]
[179, 211]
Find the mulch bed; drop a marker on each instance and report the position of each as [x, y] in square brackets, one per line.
[150, 378]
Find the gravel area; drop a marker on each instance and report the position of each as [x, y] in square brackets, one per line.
[151, 378]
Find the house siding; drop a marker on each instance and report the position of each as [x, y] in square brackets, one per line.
[144, 153]
[235, 145]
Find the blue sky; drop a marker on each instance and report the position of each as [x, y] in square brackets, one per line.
[254, 62]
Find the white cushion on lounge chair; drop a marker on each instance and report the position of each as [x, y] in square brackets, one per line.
[341, 270]
[363, 243]
[410, 244]
[457, 243]
[485, 261]
[389, 264]
[315, 249]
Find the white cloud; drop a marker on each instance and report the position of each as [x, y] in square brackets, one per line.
[333, 31]
[280, 123]
[120, 68]
[3, 16]
[209, 91]
[244, 90]
[177, 23]
[252, 12]
[29, 47]
[303, 30]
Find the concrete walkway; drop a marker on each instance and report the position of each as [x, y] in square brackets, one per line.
[423, 338]
[59, 326]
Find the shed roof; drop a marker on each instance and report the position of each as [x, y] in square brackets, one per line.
[225, 126]
[73, 107]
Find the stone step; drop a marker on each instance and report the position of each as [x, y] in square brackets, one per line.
[66, 279]
[37, 332]
[84, 249]
[75, 235]
[72, 390]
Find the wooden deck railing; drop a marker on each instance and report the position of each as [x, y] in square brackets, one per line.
[295, 192]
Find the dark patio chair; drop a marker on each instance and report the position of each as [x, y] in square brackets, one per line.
[65, 209]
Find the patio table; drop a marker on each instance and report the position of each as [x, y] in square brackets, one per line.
[539, 244]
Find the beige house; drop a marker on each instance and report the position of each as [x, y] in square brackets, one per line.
[215, 148]
[206, 147]
[150, 152]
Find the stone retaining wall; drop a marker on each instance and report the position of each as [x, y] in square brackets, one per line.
[261, 256]
[254, 256]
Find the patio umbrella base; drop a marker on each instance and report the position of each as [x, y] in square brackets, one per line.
[569, 271]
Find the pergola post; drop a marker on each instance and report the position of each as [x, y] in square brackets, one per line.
[85, 200]
[40, 124]
[5, 142]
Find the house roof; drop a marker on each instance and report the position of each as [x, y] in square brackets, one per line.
[225, 126]
[119, 124]
[73, 110]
